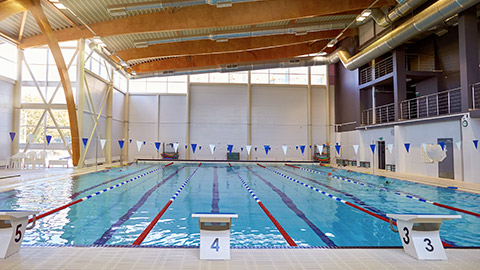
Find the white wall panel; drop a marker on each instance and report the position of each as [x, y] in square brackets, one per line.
[143, 109]
[279, 116]
[6, 115]
[218, 116]
[118, 105]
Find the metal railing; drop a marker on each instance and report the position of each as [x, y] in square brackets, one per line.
[420, 62]
[476, 96]
[366, 75]
[380, 69]
[385, 113]
[367, 117]
[384, 67]
[446, 102]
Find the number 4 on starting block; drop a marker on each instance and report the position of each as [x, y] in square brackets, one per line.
[420, 234]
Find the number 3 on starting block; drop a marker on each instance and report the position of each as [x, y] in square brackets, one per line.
[420, 235]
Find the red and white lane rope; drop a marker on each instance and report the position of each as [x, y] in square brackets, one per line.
[98, 193]
[152, 224]
[275, 222]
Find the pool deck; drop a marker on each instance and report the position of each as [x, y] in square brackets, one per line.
[172, 258]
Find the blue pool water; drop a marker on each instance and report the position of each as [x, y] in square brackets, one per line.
[119, 216]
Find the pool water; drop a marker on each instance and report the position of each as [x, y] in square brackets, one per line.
[311, 219]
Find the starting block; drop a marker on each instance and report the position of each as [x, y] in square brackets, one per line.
[13, 224]
[214, 235]
[420, 234]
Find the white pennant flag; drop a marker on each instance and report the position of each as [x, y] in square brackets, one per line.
[459, 145]
[320, 148]
[424, 145]
[102, 143]
[175, 147]
[390, 147]
[355, 148]
[212, 148]
[139, 145]
[249, 147]
[285, 149]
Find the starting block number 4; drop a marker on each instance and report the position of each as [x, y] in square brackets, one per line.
[420, 235]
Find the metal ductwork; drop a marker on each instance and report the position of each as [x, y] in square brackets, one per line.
[300, 29]
[404, 8]
[423, 21]
[121, 10]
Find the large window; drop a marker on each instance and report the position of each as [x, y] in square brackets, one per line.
[8, 60]
[172, 84]
[228, 77]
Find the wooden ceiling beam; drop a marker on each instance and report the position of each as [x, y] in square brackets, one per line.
[22, 25]
[9, 8]
[201, 61]
[201, 47]
[206, 16]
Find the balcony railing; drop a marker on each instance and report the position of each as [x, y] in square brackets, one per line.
[446, 102]
[383, 114]
[476, 96]
[380, 69]
[367, 117]
[420, 62]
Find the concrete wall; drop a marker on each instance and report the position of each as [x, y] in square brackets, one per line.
[6, 116]
[466, 158]
[219, 115]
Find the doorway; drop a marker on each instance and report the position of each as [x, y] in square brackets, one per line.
[381, 154]
[446, 167]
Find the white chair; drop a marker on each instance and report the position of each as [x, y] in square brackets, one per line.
[40, 159]
[30, 159]
[16, 161]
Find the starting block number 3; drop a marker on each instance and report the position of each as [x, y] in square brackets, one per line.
[406, 240]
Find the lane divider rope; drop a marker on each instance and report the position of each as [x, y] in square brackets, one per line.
[152, 224]
[338, 199]
[275, 222]
[394, 192]
[97, 193]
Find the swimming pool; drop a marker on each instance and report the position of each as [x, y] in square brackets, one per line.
[292, 196]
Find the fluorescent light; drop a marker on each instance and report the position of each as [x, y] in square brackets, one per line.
[123, 63]
[332, 43]
[140, 44]
[360, 18]
[97, 39]
[60, 6]
[221, 40]
[224, 4]
[366, 12]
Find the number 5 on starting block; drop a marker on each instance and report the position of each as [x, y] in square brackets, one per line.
[420, 234]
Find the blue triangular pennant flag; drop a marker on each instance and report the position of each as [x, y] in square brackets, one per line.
[194, 147]
[296, 147]
[267, 147]
[372, 146]
[337, 147]
[49, 138]
[229, 148]
[302, 148]
[85, 141]
[157, 145]
[475, 142]
[442, 144]
[121, 142]
[310, 146]
[186, 146]
[144, 142]
[255, 149]
[199, 147]
[12, 135]
[130, 140]
[407, 147]
[241, 149]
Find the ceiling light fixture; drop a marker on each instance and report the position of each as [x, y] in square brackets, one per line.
[360, 19]
[59, 5]
[367, 12]
[332, 43]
